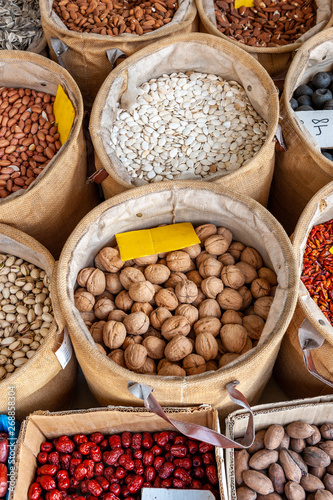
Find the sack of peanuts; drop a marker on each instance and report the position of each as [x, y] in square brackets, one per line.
[271, 31]
[88, 38]
[151, 328]
[36, 359]
[310, 334]
[291, 454]
[43, 170]
[190, 108]
[303, 168]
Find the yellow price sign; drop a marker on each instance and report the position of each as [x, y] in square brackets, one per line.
[64, 114]
[246, 3]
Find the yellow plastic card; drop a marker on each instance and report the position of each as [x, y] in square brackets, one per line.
[64, 114]
[331, 250]
[135, 244]
[246, 3]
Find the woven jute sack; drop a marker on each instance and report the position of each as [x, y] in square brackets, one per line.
[41, 383]
[301, 170]
[89, 57]
[275, 60]
[309, 332]
[167, 203]
[194, 52]
[55, 202]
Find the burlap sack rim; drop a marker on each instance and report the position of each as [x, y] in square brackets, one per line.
[30, 242]
[301, 229]
[96, 37]
[76, 128]
[203, 38]
[299, 60]
[259, 50]
[39, 46]
[257, 353]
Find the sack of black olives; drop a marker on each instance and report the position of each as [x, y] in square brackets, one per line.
[303, 168]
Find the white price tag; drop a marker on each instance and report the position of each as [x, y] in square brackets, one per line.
[320, 125]
[65, 351]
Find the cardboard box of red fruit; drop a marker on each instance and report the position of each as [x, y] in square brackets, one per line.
[46, 426]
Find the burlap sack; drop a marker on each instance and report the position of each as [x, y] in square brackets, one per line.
[171, 202]
[290, 369]
[54, 203]
[41, 383]
[89, 57]
[39, 46]
[301, 170]
[275, 60]
[197, 52]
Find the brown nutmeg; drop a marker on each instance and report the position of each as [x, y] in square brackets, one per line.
[212, 286]
[178, 261]
[205, 230]
[227, 358]
[117, 315]
[178, 347]
[176, 325]
[157, 273]
[174, 279]
[96, 331]
[209, 307]
[206, 346]
[232, 277]
[194, 364]
[233, 337]
[114, 334]
[216, 244]
[226, 259]
[268, 275]
[186, 291]
[231, 317]
[252, 257]
[144, 307]
[123, 301]
[195, 277]
[136, 323]
[193, 250]
[230, 299]
[155, 347]
[236, 249]
[246, 296]
[135, 355]
[142, 291]
[146, 261]
[113, 284]
[117, 355]
[254, 325]
[208, 324]
[108, 259]
[158, 316]
[210, 267]
[83, 276]
[103, 307]
[172, 370]
[249, 272]
[84, 301]
[262, 306]
[130, 275]
[260, 288]
[166, 298]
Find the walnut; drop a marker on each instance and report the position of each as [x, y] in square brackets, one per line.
[135, 356]
[155, 347]
[262, 306]
[114, 334]
[268, 275]
[248, 346]
[130, 275]
[202, 257]
[101, 348]
[88, 316]
[230, 299]
[216, 244]
[194, 364]
[186, 291]
[248, 271]
[205, 230]
[254, 325]
[273, 291]
[193, 251]
[157, 273]
[209, 307]
[117, 315]
[236, 249]
[246, 296]
[123, 301]
[157, 288]
[252, 257]
[162, 363]
[260, 288]
[233, 337]
[145, 307]
[178, 261]
[166, 298]
[146, 261]
[84, 301]
[178, 347]
[200, 298]
[129, 263]
[210, 267]
[231, 317]
[190, 312]
[211, 366]
[136, 323]
[83, 275]
[226, 233]
[227, 358]
[148, 367]
[158, 316]
[117, 355]
[108, 259]
[249, 310]
[142, 291]
[226, 259]
[113, 284]
[174, 279]
[176, 325]
[96, 282]
[172, 370]
[208, 324]
[195, 277]
[212, 286]
[96, 331]
[103, 307]
[163, 261]
[232, 277]
[206, 346]
[105, 295]
[132, 339]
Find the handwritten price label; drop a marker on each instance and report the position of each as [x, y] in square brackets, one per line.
[320, 125]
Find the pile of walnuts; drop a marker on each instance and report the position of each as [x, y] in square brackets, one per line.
[178, 313]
